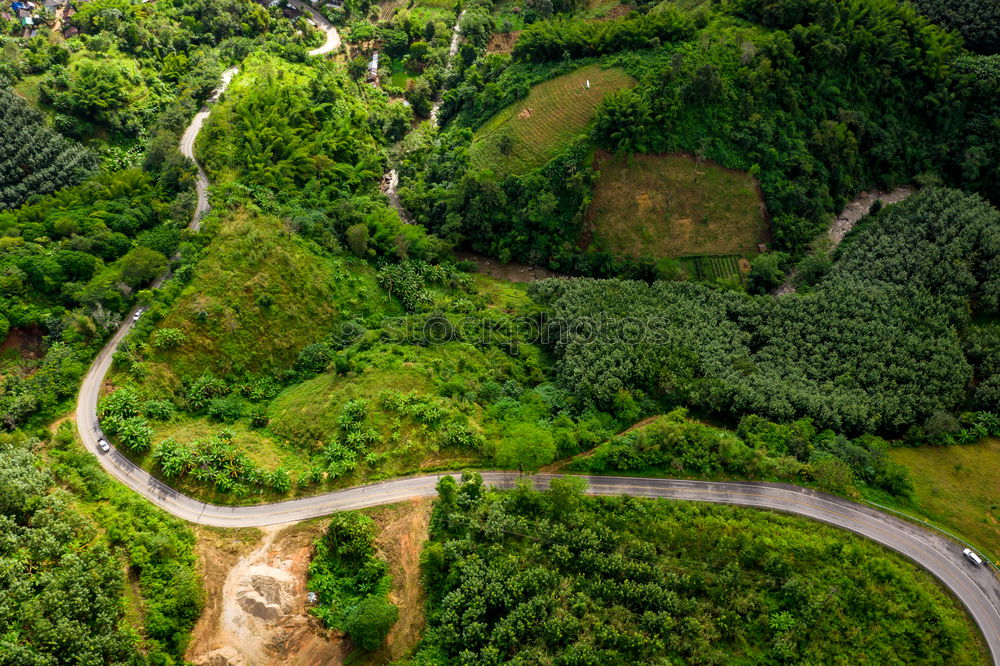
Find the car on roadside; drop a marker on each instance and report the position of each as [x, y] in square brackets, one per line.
[103, 444]
[138, 313]
[972, 557]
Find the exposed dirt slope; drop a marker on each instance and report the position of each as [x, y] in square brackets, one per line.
[255, 613]
[402, 532]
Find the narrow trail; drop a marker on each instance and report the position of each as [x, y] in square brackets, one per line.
[843, 223]
[456, 34]
[191, 132]
[390, 182]
[187, 147]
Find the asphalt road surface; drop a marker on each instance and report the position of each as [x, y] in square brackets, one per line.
[187, 147]
[191, 132]
[332, 36]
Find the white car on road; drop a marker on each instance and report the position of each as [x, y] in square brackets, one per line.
[138, 313]
[103, 443]
[972, 557]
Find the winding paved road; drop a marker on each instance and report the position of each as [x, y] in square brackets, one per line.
[191, 132]
[976, 587]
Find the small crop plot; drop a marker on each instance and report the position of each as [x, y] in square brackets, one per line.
[530, 132]
[674, 206]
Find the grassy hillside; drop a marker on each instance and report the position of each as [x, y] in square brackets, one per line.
[672, 206]
[260, 295]
[536, 127]
[956, 488]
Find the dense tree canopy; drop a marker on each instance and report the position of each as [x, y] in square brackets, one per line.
[34, 159]
[977, 21]
[525, 577]
[873, 348]
[70, 264]
[61, 581]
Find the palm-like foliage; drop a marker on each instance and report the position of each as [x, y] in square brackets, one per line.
[34, 159]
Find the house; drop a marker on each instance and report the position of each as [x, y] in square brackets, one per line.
[69, 12]
[71, 32]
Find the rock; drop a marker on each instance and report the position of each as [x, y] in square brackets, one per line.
[266, 593]
[227, 656]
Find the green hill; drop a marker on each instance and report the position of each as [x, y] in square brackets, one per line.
[260, 295]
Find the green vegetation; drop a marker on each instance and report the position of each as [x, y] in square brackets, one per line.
[318, 333]
[528, 134]
[556, 577]
[351, 582]
[977, 21]
[555, 39]
[71, 264]
[64, 555]
[258, 296]
[672, 206]
[873, 348]
[955, 487]
[673, 445]
[748, 84]
[36, 160]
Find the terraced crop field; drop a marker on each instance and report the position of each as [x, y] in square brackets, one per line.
[436, 4]
[387, 9]
[711, 268]
[673, 206]
[538, 126]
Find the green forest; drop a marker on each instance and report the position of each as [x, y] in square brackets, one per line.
[327, 245]
[528, 577]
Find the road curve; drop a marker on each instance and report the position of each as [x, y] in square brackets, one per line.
[332, 36]
[187, 147]
[976, 587]
[191, 132]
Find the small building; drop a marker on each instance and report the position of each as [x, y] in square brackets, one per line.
[71, 32]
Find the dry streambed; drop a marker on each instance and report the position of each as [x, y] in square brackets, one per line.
[851, 215]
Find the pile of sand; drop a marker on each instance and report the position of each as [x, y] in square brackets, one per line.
[266, 593]
[225, 656]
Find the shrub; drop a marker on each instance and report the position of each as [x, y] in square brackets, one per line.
[228, 409]
[168, 338]
[135, 433]
[370, 621]
[158, 410]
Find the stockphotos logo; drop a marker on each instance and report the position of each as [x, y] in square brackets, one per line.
[437, 329]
